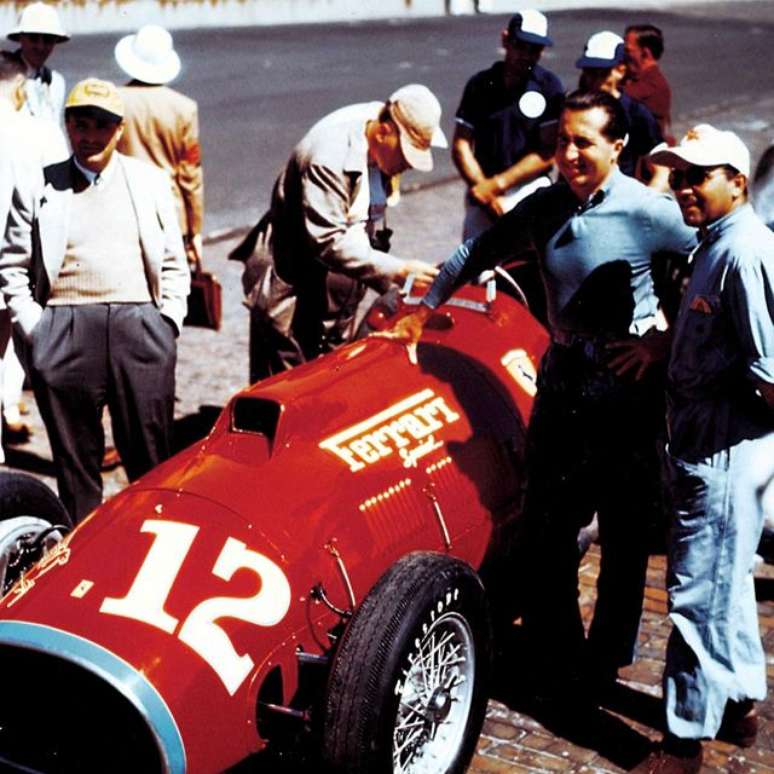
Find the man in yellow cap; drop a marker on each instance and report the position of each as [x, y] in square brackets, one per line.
[97, 298]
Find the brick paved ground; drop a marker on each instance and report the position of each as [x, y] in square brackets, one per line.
[621, 734]
[212, 366]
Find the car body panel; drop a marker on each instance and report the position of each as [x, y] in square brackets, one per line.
[198, 580]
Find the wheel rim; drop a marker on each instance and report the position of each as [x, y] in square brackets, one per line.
[15, 534]
[435, 694]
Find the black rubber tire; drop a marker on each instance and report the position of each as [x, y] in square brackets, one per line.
[23, 495]
[361, 703]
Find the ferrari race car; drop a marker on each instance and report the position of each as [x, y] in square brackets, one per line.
[313, 563]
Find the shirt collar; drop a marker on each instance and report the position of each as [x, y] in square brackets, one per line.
[601, 193]
[96, 178]
[719, 227]
[357, 143]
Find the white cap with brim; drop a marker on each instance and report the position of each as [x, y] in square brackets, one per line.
[531, 26]
[149, 55]
[705, 146]
[417, 114]
[603, 49]
[39, 19]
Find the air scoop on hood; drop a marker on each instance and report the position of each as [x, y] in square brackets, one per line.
[256, 415]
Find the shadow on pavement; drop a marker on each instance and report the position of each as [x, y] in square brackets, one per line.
[578, 722]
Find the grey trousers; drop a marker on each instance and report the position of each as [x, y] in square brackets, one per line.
[82, 358]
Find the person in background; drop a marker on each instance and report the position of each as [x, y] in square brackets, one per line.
[720, 418]
[603, 68]
[37, 32]
[502, 146]
[35, 142]
[310, 257]
[599, 407]
[161, 125]
[645, 81]
[97, 332]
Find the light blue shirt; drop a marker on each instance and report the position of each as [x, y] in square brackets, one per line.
[724, 339]
[595, 257]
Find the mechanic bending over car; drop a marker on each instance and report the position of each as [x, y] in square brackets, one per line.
[592, 442]
[720, 390]
[310, 257]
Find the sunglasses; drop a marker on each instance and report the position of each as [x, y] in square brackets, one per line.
[690, 177]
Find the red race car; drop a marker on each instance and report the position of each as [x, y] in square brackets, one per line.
[313, 562]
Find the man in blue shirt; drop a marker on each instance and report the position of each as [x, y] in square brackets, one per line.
[721, 408]
[598, 412]
[500, 147]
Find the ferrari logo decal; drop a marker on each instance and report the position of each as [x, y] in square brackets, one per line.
[407, 427]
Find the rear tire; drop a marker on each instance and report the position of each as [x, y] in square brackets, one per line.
[408, 688]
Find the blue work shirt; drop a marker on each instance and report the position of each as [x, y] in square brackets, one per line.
[723, 340]
[595, 256]
[502, 133]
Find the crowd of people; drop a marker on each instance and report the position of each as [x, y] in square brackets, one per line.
[647, 403]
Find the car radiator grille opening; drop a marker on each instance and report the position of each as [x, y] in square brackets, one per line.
[58, 718]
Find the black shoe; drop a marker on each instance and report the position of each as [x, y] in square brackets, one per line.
[740, 723]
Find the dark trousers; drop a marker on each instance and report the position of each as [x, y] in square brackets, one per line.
[82, 358]
[323, 318]
[592, 448]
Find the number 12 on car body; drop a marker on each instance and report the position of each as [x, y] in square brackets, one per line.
[153, 583]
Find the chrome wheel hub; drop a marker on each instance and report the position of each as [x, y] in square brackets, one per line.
[435, 696]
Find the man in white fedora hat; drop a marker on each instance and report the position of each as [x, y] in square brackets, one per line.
[162, 125]
[37, 32]
[27, 144]
[311, 257]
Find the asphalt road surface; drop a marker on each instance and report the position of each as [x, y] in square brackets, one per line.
[260, 88]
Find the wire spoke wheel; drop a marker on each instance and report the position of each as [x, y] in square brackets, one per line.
[32, 520]
[408, 687]
[435, 698]
[23, 540]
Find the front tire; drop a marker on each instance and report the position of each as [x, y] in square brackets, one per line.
[408, 688]
[29, 511]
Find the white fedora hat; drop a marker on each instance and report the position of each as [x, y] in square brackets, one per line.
[39, 19]
[149, 55]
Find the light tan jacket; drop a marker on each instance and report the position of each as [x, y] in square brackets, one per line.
[162, 127]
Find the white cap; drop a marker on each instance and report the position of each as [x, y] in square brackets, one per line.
[39, 19]
[417, 114]
[603, 49]
[531, 26]
[149, 55]
[705, 146]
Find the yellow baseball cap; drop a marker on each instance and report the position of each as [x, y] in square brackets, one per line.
[95, 93]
